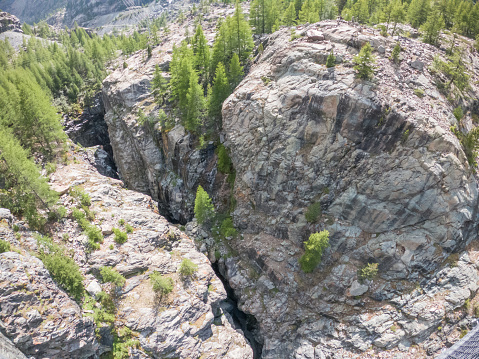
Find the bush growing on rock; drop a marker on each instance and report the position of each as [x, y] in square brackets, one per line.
[313, 212]
[111, 275]
[4, 246]
[365, 61]
[81, 196]
[395, 53]
[368, 272]
[204, 209]
[331, 60]
[62, 268]
[161, 285]
[314, 249]
[120, 236]
[187, 268]
[227, 228]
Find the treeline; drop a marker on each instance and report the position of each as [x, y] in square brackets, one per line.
[65, 72]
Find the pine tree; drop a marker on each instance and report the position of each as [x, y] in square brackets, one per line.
[219, 92]
[365, 61]
[196, 103]
[241, 37]
[201, 51]
[180, 69]
[158, 86]
[432, 27]
[236, 72]
[289, 15]
[204, 210]
[398, 14]
[418, 12]
[331, 60]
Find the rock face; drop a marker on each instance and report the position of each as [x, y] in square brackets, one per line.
[42, 321]
[39, 318]
[9, 22]
[392, 180]
[167, 165]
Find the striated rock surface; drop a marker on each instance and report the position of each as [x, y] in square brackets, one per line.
[42, 321]
[394, 187]
[167, 165]
[39, 318]
[9, 22]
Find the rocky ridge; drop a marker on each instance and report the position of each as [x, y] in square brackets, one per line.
[392, 180]
[41, 320]
[9, 22]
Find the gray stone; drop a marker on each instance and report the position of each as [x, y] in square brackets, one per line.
[358, 289]
[93, 288]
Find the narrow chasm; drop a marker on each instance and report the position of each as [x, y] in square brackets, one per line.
[89, 130]
[246, 322]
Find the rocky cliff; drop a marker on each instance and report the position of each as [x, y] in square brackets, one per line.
[392, 181]
[41, 320]
[9, 22]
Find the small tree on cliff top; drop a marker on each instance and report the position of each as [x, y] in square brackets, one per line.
[204, 209]
[365, 61]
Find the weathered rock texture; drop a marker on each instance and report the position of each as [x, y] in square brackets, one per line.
[9, 22]
[168, 166]
[39, 318]
[393, 182]
[42, 321]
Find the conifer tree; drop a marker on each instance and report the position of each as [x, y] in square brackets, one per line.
[219, 92]
[364, 62]
[331, 60]
[236, 72]
[196, 103]
[418, 12]
[159, 86]
[241, 37]
[204, 210]
[201, 51]
[289, 15]
[432, 27]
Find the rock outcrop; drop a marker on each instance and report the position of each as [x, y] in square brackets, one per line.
[392, 181]
[9, 22]
[42, 321]
[169, 166]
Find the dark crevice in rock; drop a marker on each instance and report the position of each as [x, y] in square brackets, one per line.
[246, 322]
[90, 129]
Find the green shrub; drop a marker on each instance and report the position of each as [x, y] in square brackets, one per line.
[476, 309]
[161, 285]
[419, 92]
[331, 60]
[368, 272]
[120, 237]
[395, 53]
[107, 302]
[16, 228]
[4, 246]
[128, 228]
[313, 212]
[314, 249]
[458, 113]
[122, 342]
[187, 268]
[95, 237]
[204, 209]
[63, 269]
[224, 161]
[121, 222]
[81, 196]
[227, 229]
[110, 275]
[365, 61]
[470, 143]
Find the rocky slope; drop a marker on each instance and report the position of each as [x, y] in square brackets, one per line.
[42, 321]
[392, 180]
[31, 11]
